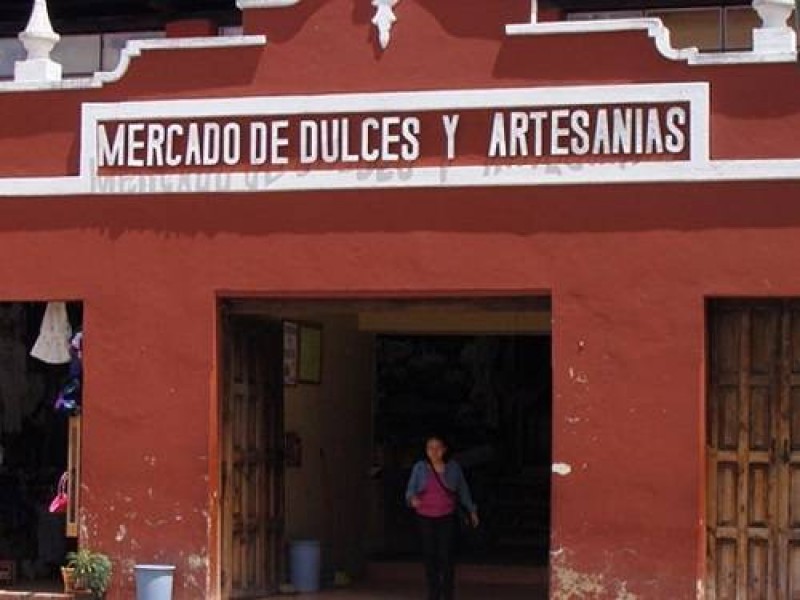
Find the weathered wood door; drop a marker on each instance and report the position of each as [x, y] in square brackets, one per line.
[754, 451]
[252, 457]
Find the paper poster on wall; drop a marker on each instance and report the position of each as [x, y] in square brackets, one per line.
[290, 353]
[310, 358]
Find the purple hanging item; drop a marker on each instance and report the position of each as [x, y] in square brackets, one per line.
[69, 399]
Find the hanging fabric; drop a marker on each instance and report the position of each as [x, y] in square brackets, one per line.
[53, 344]
[69, 399]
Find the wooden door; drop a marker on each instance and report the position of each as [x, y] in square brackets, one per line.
[252, 458]
[754, 451]
[74, 472]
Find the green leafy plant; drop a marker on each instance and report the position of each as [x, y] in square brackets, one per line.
[93, 571]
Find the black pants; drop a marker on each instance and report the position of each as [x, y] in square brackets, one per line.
[438, 541]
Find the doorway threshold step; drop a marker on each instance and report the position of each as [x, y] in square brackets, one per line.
[20, 595]
[394, 571]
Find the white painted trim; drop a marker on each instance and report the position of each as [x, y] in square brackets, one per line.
[742, 58]
[697, 168]
[245, 4]
[653, 27]
[696, 94]
[77, 83]
[134, 49]
[656, 30]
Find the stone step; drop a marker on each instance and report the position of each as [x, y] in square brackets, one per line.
[21, 595]
[397, 571]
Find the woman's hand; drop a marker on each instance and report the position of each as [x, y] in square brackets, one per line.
[474, 519]
[414, 502]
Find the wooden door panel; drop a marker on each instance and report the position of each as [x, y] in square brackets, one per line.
[726, 333]
[725, 575]
[252, 430]
[793, 570]
[727, 399]
[761, 427]
[793, 494]
[727, 484]
[759, 493]
[794, 416]
[743, 409]
[758, 579]
[764, 342]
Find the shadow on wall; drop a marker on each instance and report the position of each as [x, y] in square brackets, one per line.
[524, 212]
[283, 24]
[626, 57]
[484, 20]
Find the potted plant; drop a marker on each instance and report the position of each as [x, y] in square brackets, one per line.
[91, 571]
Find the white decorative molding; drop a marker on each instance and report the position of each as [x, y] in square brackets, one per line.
[695, 94]
[245, 4]
[384, 20]
[654, 27]
[132, 50]
[660, 34]
[39, 39]
[697, 166]
[774, 36]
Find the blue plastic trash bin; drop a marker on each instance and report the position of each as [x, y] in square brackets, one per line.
[154, 582]
[304, 565]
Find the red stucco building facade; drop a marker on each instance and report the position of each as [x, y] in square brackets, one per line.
[629, 255]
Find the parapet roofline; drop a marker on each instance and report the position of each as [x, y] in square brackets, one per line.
[774, 42]
[657, 31]
[134, 49]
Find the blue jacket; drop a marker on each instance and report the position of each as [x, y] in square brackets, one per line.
[453, 478]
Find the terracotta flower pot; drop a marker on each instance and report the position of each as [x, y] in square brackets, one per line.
[68, 575]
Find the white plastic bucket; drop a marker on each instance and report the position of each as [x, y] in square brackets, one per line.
[154, 582]
[304, 565]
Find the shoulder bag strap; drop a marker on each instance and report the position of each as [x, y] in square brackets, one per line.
[441, 482]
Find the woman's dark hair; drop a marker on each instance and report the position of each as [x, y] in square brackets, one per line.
[437, 436]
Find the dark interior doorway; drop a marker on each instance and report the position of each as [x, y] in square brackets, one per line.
[491, 395]
[35, 444]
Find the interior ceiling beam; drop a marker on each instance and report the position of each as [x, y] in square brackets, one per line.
[255, 306]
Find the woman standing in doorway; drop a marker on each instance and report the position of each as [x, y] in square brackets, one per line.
[435, 490]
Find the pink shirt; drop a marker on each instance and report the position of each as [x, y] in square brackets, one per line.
[434, 500]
